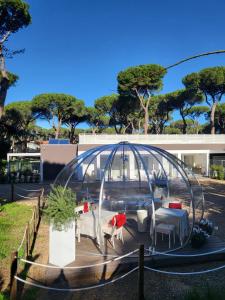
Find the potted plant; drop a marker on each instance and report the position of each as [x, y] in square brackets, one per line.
[199, 237]
[206, 225]
[159, 179]
[60, 213]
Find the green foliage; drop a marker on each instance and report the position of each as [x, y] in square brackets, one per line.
[121, 111]
[192, 127]
[31, 293]
[4, 144]
[105, 104]
[14, 15]
[96, 120]
[4, 296]
[143, 78]
[60, 210]
[172, 130]
[210, 82]
[218, 172]
[56, 108]
[141, 82]
[76, 114]
[3, 171]
[48, 106]
[160, 110]
[198, 237]
[20, 115]
[184, 100]
[220, 118]
[12, 78]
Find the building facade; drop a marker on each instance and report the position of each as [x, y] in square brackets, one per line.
[197, 151]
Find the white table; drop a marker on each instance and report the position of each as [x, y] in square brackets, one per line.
[89, 223]
[177, 217]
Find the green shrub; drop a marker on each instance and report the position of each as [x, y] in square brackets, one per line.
[4, 296]
[60, 208]
[217, 172]
[3, 171]
[198, 237]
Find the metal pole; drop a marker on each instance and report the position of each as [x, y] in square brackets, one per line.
[141, 273]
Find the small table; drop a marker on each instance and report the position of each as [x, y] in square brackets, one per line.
[165, 229]
[177, 217]
[89, 223]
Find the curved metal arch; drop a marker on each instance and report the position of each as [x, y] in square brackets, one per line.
[139, 174]
[161, 164]
[91, 152]
[76, 161]
[151, 192]
[110, 165]
[114, 150]
[100, 151]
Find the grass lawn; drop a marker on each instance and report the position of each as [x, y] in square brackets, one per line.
[13, 219]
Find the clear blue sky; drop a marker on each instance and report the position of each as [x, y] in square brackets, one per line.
[79, 46]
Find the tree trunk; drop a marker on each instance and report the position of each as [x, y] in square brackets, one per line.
[72, 131]
[57, 132]
[184, 130]
[4, 85]
[161, 126]
[146, 121]
[212, 118]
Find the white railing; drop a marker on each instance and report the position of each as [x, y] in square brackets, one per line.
[152, 138]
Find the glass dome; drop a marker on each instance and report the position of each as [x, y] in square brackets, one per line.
[149, 185]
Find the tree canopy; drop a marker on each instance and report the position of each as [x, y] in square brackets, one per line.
[53, 108]
[96, 120]
[141, 82]
[183, 100]
[76, 113]
[211, 82]
[14, 15]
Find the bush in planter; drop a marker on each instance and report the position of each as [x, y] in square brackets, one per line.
[206, 225]
[60, 210]
[199, 237]
[159, 179]
[217, 172]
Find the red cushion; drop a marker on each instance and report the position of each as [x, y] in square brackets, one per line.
[113, 221]
[175, 205]
[119, 219]
[85, 209]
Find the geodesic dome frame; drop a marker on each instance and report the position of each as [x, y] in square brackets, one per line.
[120, 167]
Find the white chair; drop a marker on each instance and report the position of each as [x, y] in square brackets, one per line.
[113, 231]
[165, 229]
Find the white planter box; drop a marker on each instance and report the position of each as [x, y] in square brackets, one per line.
[62, 245]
